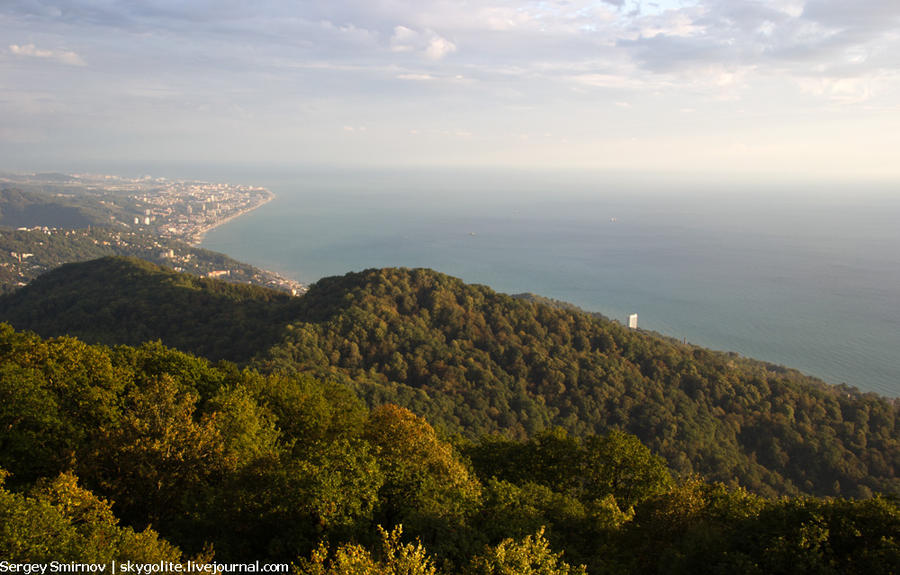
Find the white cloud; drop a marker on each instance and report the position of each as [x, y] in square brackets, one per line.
[428, 42]
[62, 56]
[618, 81]
[439, 47]
[417, 77]
[841, 90]
[404, 39]
[567, 67]
[672, 24]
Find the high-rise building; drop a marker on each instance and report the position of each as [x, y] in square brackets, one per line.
[632, 321]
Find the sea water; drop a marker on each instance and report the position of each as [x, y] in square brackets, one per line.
[804, 275]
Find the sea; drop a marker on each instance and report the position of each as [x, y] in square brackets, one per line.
[795, 272]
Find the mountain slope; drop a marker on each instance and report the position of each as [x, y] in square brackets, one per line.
[21, 208]
[99, 442]
[129, 301]
[474, 361]
[26, 254]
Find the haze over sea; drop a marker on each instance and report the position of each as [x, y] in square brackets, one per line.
[801, 274]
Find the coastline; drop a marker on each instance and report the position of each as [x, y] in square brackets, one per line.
[277, 280]
[198, 237]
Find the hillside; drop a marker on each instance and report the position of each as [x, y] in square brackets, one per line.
[27, 253]
[24, 208]
[477, 362]
[130, 301]
[148, 454]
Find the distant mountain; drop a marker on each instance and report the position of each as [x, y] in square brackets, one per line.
[474, 361]
[26, 209]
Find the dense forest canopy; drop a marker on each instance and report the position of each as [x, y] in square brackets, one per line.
[475, 362]
[150, 454]
[130, 301]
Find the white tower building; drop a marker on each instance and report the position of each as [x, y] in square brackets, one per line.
[632, 321]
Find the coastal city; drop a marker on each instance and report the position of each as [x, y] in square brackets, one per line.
[187, 210]
[160, 219]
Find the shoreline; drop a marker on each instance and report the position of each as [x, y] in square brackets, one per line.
[293, 286]
[197, 238]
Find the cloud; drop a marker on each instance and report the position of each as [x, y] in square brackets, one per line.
[404, 39]
[613, 81]
[439, 47]
[417, 77]
[568, 67]
[674, 24]
[62, 56]
[840, 90]
[811, 44]
[429, 43]
[860, 15]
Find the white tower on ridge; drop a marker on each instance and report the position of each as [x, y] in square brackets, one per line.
[632, 321]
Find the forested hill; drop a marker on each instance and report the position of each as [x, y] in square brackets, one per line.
[29, 207]
[474, 362]
[117, 300]
[22, 208]
[150, 455]
[27, 253]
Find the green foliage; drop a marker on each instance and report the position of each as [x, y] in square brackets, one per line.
[427, 487]
[616, 465]
[308, 411]
[248, 430]
[530, 556]
[278, 467]
[60, 521]
[55, 394]
[475, 362]
[130, 301]
[511, 510]
[707, 528]
[396, 558]
[280, 508]
[26, 254]
[158, 456]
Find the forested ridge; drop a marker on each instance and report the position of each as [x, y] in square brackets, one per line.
[129, 301]
[149, 454]
[475, 362]
[491, 363]
[56, 206]
[26, 254]
[27, 208]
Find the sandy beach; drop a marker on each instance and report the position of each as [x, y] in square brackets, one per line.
[197, 238]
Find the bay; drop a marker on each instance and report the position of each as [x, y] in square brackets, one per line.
[796, 273]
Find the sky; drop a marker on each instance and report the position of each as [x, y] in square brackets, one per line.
[793, 87]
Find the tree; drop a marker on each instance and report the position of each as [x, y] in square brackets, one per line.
[60, 521]
[426, 487]
[395, 558]
[620, 465]
[156, 462]
[529, 556]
